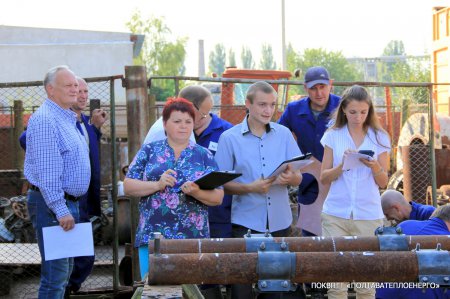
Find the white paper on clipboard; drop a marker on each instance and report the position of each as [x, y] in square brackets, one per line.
[295, 163]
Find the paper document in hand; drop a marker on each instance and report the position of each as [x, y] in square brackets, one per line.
[295, 164]
[59, 244]
[352, 160]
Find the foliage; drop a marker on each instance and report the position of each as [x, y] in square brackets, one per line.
[411, 71]
[267, 62]
[231, 58]
[386, 66]
[394, 48]
[337, 65]
[217, 60]
[247, 59]
[404, 69]
[160, 56]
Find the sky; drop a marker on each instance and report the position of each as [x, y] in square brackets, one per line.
[358, 28]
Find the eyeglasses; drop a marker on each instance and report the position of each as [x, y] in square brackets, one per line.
[203, 115]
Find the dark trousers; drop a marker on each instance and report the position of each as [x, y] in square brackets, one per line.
[245, 291]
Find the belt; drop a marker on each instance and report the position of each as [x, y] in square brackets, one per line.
[66, 195]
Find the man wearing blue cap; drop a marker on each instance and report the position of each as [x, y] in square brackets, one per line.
[308, 118]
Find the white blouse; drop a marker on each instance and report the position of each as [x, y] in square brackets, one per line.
[354, 195]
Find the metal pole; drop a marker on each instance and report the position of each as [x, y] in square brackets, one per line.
[137, 107]
[115, 168]
[296, 244]
[283, 36]
[241, 268]
[431, 135]
[18, 129]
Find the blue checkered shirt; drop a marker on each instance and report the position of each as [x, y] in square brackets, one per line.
[57, 156]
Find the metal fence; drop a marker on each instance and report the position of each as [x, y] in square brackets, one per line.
[405, 111]
[19, 254]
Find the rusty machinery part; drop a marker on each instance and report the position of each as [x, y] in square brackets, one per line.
[296, 244]
[4, 202]
[241, 268]
[415, 131]
[5, 234]
[442, 195]
[396, 181]
[20, 210]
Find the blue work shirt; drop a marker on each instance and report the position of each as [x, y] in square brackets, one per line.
[219, 216]
[257, 157]
[420, 212]
[299, 118]
[433, 226]
[57, 156]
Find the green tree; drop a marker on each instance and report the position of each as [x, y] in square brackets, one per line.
[247, 59]
[292, 64]
[231, 58]
[394, 48]
[386, 65]
[160, 56]
[217, 60]
[267, 62]
[412, 70]
[334, 61]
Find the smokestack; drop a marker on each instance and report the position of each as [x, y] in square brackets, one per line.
[201, 58]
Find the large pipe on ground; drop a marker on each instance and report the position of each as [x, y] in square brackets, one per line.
[297, 244]
[241, 268]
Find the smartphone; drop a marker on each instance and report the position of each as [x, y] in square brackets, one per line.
[367, 152]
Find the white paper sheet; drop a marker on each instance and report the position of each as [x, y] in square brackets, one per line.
[295, 165]
[352, 160]
[75, 242]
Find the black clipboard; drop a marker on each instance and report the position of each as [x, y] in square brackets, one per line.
[295, 162]
[215, 179]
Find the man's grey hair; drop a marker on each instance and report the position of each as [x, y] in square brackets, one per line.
[442, 212]
[51, 74]
[196, 94]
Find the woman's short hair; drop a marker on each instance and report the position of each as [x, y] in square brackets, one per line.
[177, 104]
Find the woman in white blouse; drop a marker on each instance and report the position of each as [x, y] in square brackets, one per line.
[353, 206]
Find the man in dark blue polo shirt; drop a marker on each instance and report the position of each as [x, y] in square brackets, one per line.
[438, 224]
[308, 119]
[207, 129]
[396, 207]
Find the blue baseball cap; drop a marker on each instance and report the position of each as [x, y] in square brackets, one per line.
[316, 75]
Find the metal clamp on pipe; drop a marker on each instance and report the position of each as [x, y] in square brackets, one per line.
[391, 239]
[434, 266]
[275, 268]
[253, 242]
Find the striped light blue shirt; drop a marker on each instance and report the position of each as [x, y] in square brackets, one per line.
[57, 156]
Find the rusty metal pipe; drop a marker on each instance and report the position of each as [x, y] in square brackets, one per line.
[241, 268]
[296, 244]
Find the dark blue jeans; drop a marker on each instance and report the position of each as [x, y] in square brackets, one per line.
[54, 274]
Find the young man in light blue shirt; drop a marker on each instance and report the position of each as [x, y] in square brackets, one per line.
[255, 148]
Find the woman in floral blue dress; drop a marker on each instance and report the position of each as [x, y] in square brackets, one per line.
[163, 173]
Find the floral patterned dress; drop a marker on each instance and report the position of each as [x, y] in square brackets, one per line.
[171, 212]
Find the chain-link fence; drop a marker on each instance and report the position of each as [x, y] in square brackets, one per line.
[404, 112]
[19, 254]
